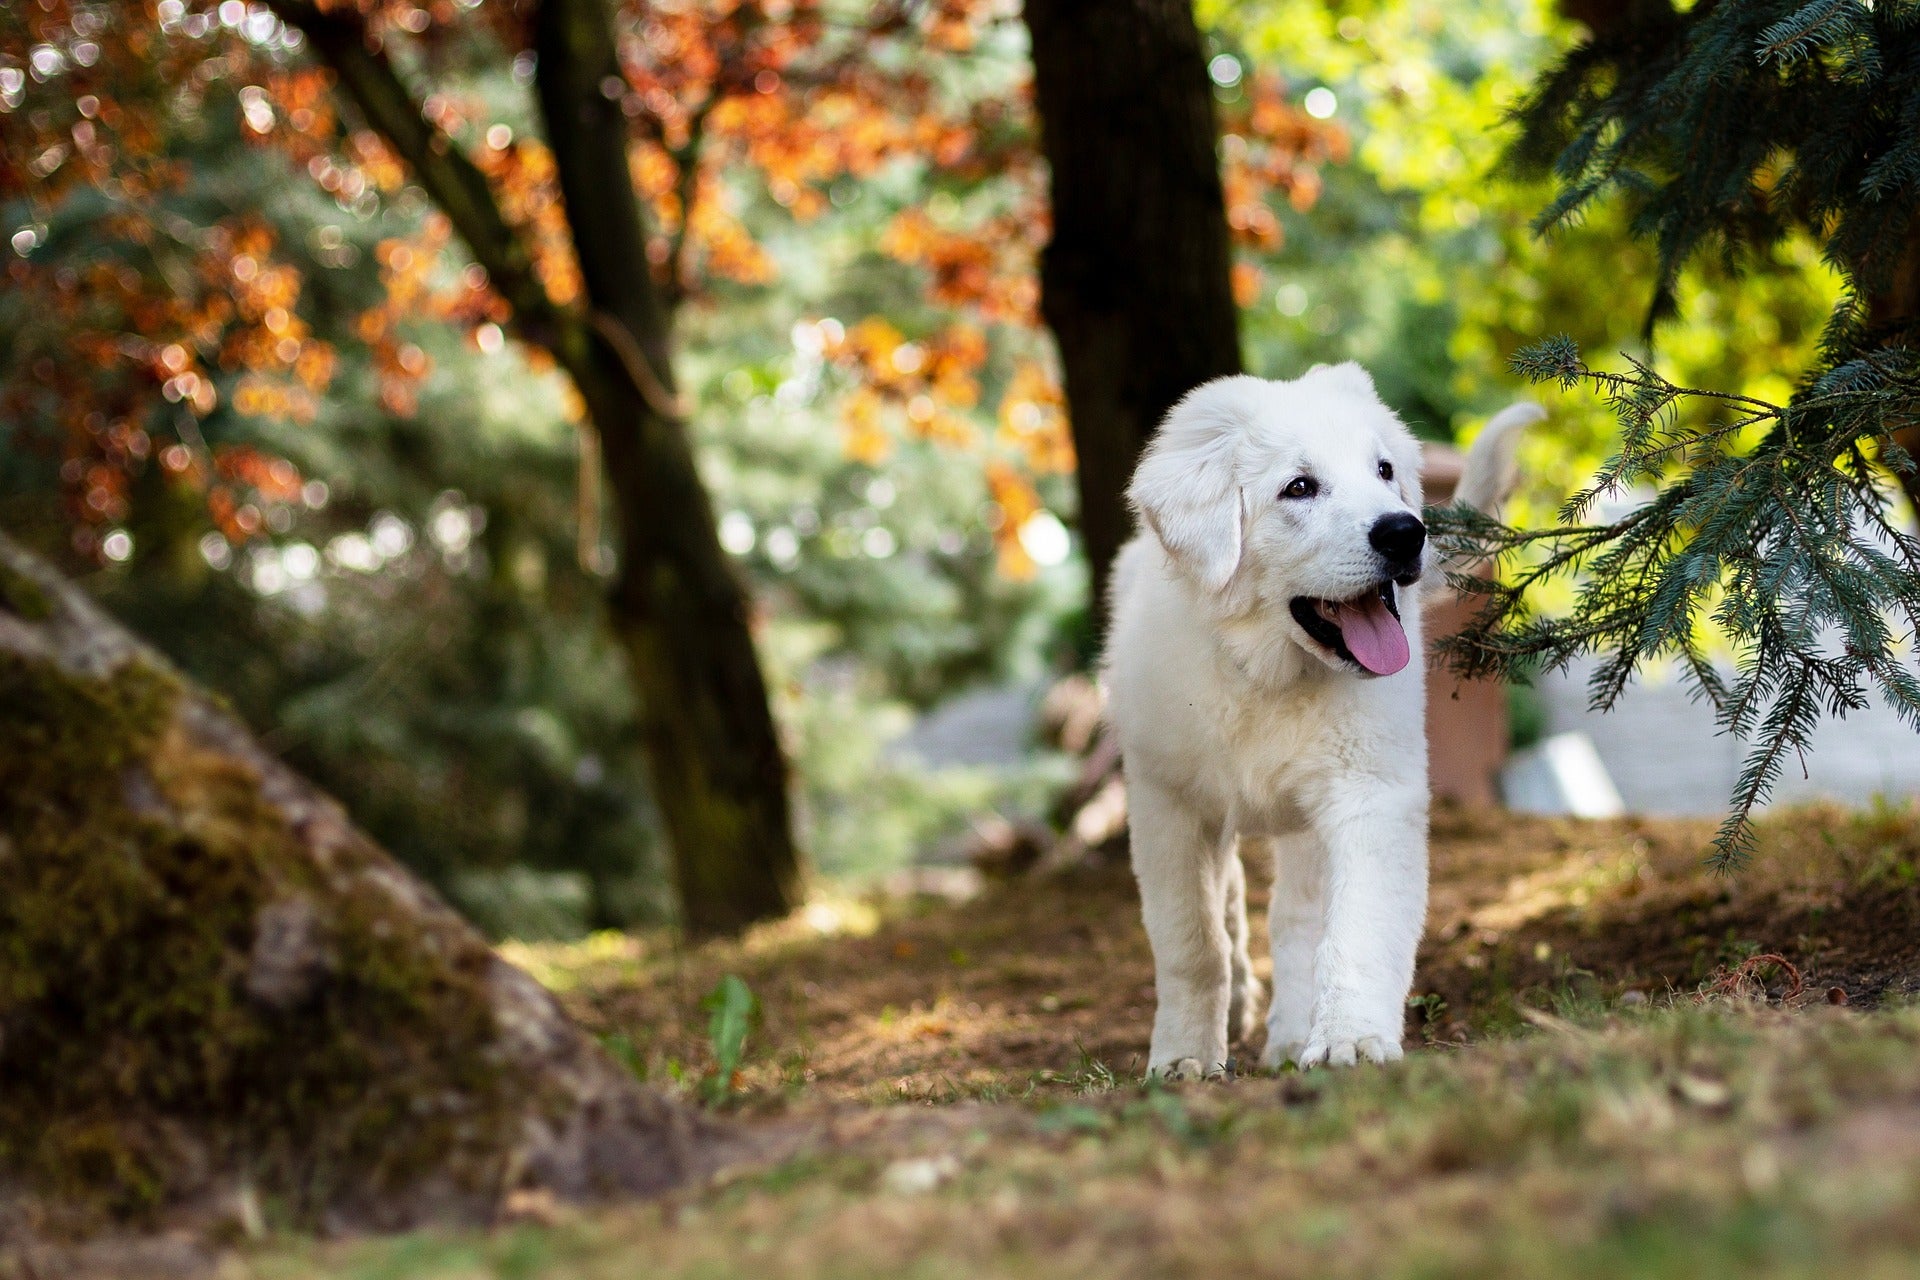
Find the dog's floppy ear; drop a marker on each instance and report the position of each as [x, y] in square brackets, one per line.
[1186, 488]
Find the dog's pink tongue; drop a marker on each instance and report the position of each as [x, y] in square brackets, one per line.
[1374, 636]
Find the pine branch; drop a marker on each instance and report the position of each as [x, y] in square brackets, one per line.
[1787, 548]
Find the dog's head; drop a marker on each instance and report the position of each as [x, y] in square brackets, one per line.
[1303, 495]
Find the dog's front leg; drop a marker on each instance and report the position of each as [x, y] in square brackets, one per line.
[1177, 857]
[1375, 837]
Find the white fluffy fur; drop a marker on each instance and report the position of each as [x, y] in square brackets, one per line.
[1239, 730]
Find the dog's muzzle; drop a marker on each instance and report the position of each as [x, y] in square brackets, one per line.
[1363, 630]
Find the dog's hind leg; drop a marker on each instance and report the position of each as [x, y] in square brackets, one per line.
[1177, 859]
[1243, 992]
[1296, 916]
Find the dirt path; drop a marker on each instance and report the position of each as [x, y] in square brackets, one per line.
[1044, 983]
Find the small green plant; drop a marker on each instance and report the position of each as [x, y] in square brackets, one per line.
[733, 1008]
[1431, 1007]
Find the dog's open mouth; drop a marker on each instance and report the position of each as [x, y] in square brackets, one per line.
[1365, 630]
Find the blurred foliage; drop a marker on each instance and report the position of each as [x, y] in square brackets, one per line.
[398, 592]
[351, 503]
[1423, 261]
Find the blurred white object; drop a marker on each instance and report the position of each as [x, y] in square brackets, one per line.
[1561, 774]
[1668, 756]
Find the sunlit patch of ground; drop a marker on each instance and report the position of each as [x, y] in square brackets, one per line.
[1044, 983]
[1546, 912]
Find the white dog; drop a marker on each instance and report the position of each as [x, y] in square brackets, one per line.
[1263, 673]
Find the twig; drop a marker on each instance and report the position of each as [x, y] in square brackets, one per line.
[1732, 982]
[638, 368]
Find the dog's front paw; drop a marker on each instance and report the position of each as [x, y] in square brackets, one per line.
[1335, 1049]
[1187, 1069]
[1289, 1027]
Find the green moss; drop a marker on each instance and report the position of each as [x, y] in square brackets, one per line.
[22, 595]
[133, 867]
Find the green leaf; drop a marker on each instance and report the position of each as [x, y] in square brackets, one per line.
[733, 1008]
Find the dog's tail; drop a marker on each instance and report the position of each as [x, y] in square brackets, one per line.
[1491, 469]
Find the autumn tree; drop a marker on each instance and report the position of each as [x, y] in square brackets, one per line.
[583, 265]
[192, 321]
[1123, 243]
[718, 772]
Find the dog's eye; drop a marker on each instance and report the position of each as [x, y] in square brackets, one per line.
[1386, 471]
[1301, 487]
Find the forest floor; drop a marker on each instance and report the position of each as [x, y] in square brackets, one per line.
[1608, 1081]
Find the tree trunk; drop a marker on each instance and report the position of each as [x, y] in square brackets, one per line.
[216, 993]
[1135, 283]
[1895, 310]
[719, 776]
[717, 771]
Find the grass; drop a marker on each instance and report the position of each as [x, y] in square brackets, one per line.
[1663, 1141]
[952, 1090]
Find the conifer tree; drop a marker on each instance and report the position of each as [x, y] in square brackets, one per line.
[1727, 128]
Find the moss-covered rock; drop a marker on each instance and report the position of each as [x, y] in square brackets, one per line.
[22, 595]
[212, 985]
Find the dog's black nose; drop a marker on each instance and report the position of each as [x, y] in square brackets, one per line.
[1398, 537]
